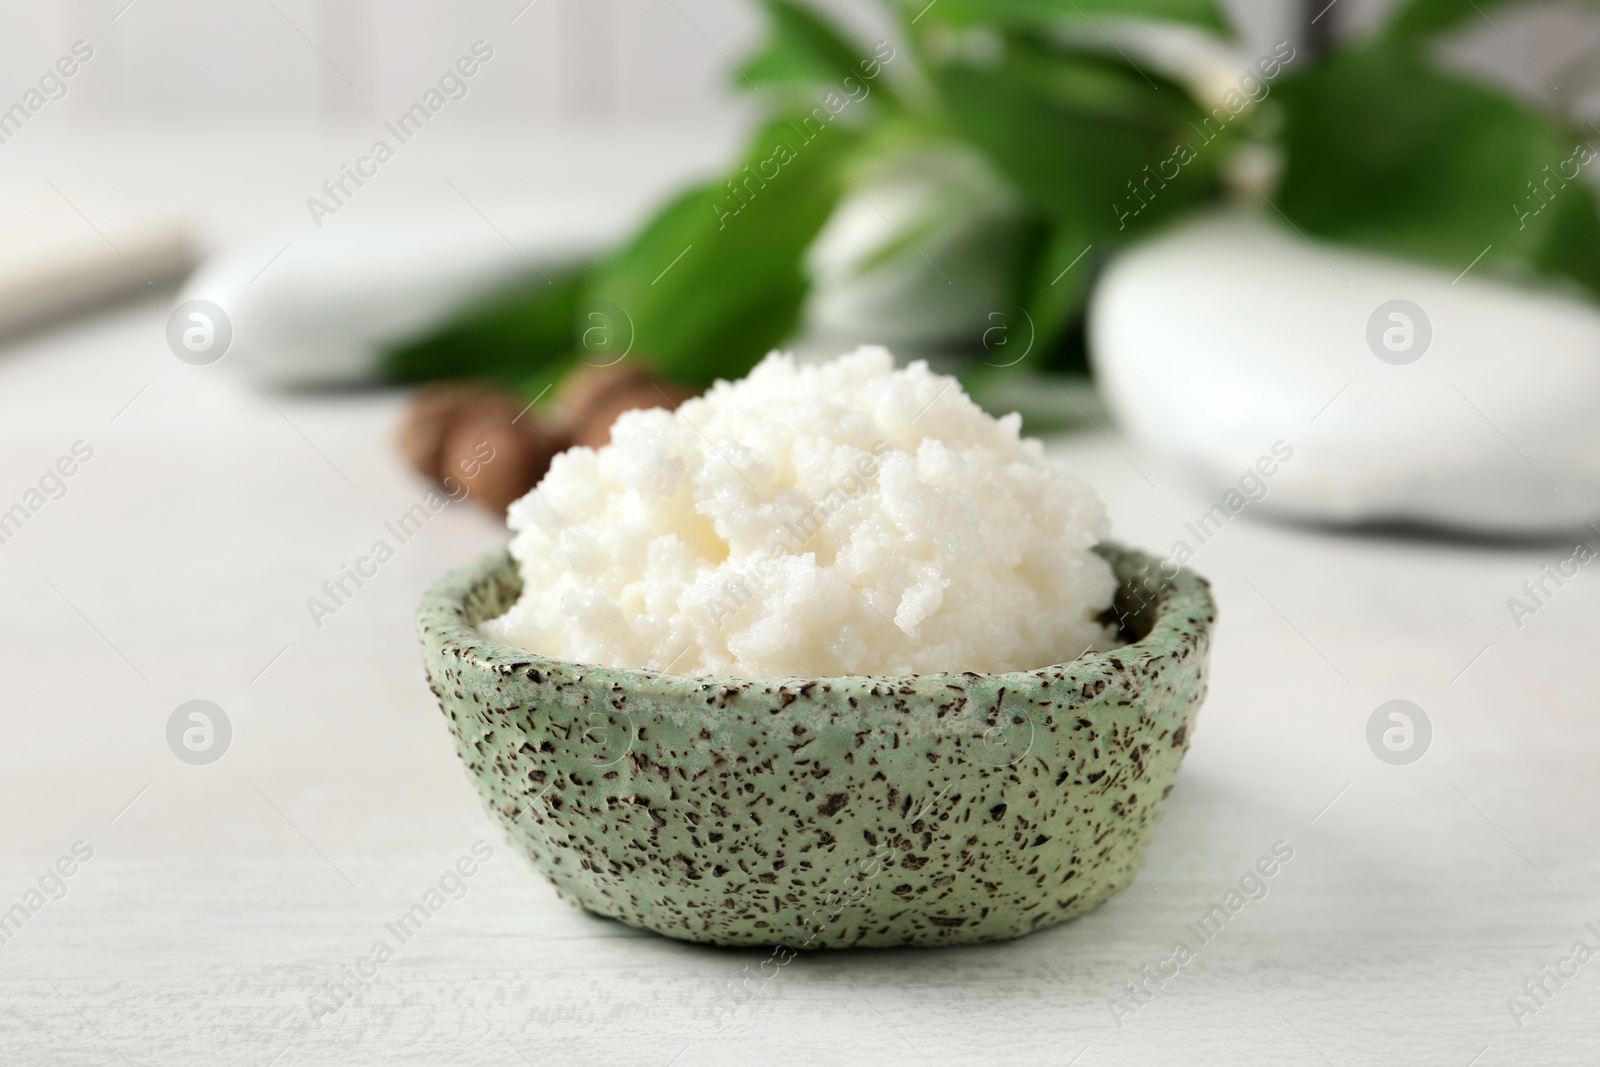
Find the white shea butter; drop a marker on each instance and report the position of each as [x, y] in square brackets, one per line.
[811, 521]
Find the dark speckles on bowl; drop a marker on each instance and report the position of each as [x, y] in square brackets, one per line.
[836, 812]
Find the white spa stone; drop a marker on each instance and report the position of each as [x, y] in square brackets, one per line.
[320, 312]
[1215, 340]
[811, 521]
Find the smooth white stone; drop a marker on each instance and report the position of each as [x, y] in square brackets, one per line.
[320, 311]
[1218, 338]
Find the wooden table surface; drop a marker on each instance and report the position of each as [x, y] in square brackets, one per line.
[219, 904]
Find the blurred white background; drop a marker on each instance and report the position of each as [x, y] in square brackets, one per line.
[333, 62]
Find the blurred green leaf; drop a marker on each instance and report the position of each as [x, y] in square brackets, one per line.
[803, 50]
[716, 280]
[509, 339]
[1049, 14]
[1050, 285]
[1054, 283]
[1085, 138]
[1419, 18]
[1386, 150]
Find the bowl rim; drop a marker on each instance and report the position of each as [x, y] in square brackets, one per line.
[1183, 616]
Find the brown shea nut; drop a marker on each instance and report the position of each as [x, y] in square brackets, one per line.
[493, 460]
[586, 382]
[477, 442]
[593, 397]
[595, 430]
[433, 410]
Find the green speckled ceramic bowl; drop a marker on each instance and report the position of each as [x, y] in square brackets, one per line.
[828, 812]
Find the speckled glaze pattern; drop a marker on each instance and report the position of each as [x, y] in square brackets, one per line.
[828, 813]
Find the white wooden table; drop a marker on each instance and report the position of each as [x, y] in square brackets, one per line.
[220, 899]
